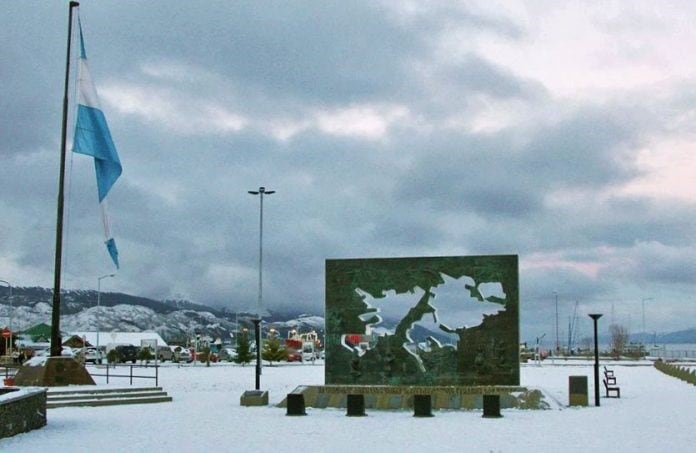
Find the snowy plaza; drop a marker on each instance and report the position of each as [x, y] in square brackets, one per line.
[655, 413]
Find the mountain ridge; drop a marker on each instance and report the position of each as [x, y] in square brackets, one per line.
[174, 320]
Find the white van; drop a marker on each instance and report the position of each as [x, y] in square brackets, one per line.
[308, 351]
[164, 353]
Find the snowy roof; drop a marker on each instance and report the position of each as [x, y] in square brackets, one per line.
[132, 338]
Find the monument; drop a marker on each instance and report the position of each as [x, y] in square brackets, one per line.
[445, 328]
[432, 321]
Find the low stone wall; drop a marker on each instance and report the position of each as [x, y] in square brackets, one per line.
[679, 372]
[401, 397]
[21, 410]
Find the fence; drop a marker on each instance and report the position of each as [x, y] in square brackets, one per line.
[113, 372]
[677, 354]
[8, 370]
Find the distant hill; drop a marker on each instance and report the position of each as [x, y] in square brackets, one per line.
[680, 336]
[177, 320]
[174, 320]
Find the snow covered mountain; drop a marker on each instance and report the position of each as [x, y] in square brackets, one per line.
[175, 321]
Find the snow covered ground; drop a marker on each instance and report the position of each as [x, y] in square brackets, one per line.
[655, 413]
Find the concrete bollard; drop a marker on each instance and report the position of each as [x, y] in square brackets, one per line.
[422, 406]
[491, 406]
[355, 406]
[295, 404]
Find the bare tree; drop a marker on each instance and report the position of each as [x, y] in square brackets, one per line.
[586, 346]
[619, 339]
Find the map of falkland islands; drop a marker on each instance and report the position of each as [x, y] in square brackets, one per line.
[443, 311]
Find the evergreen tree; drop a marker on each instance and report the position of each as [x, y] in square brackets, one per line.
[273, 351]
[145, 355]
[244, 354]
[113, 357]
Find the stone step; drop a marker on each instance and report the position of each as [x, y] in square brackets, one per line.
[98, 390]
[108, 402]
[97, 396]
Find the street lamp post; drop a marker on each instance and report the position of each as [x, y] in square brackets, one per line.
[261, 192]
[643, 303]
[595, 317]
[537, 355]
[99, 279]
[557, 344]
[9, 298]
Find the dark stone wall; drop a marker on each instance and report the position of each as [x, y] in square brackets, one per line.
[486, 353]
[22, 414]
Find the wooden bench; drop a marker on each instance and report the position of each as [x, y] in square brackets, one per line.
[609, 376]
[609, 389]
[611, 380]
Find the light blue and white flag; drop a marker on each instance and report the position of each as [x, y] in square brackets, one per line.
[92, 137]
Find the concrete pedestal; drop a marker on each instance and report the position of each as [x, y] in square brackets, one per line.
[577, 391]
[254, 398]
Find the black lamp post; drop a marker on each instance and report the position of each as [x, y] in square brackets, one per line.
[257, 336]
[595, 317]
[257, 330]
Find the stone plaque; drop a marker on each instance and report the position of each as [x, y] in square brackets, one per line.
[432, 321]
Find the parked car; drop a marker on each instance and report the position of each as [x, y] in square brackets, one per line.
[164, 353]
[294, 356]
[227, 354]
[181, 354]
[90, 354]
[127, 353]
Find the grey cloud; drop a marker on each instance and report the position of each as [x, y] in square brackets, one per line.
[495, 176]
[656, 263]
[476, 74]
[328, 50]
[185, 224]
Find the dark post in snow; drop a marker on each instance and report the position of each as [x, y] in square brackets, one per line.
[56, 346]
[257, 334]
[596, 317]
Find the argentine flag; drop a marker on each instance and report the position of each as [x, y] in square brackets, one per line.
[92, 137]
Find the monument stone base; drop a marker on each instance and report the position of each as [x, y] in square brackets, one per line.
[52, 372]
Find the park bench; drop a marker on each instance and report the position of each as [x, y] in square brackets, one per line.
[609, 376]
[609, 389]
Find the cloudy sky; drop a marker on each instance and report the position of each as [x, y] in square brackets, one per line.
[559, 131]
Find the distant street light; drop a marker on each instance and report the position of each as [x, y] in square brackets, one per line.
[99, 279]
[261, 192]
[537, 352]
[555, 294]
[643, 303]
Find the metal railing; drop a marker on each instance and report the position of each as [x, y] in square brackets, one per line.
[113, 372]
[676, 354]
[8, 370]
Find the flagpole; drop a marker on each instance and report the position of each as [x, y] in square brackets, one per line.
[56, 346]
